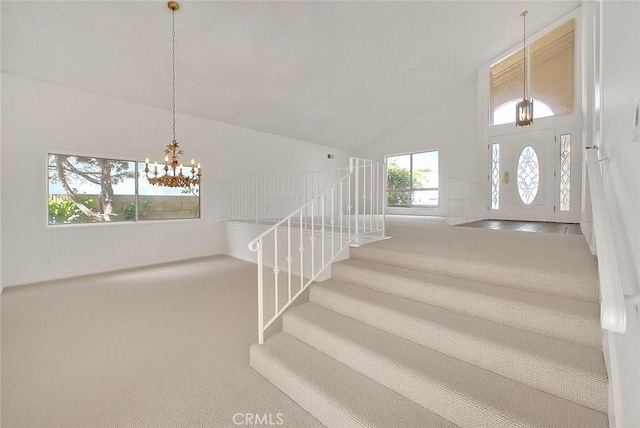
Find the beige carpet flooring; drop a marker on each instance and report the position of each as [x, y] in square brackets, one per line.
[169, 346]
[158, 347]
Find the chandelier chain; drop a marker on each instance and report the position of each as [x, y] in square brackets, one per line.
[173, 71]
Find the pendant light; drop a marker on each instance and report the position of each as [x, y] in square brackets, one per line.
[524, 109]
[174, 172]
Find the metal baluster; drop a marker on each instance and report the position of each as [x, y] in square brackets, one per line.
[256, 201]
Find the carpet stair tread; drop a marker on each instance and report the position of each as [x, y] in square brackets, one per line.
[530, 276]
[568, 370]
[555, 316]
[458, 391]
[326, 388]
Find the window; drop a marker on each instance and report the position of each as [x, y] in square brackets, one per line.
[565, 172]
[495, 176]
[551, 59]
[100, 190]
[413, 180]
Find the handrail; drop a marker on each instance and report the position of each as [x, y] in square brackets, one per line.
[464, 201]
[308, 204]
[327, 224]
[270, 198]
[612, 302]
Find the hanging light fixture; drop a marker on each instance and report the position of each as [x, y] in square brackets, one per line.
[524, 109]
[174, 174]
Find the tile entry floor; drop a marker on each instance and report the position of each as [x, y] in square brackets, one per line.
[527, 226]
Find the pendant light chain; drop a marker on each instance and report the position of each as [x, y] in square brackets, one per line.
[173, 71]
[524, 54]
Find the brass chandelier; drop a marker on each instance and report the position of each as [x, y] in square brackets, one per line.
[174, 174]
[524, 109]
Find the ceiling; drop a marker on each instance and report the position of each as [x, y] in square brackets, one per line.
[341, 74]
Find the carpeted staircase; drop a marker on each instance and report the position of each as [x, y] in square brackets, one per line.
[389, 343]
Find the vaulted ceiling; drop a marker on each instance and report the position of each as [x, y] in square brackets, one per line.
[336, 73]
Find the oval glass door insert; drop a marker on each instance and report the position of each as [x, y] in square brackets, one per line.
[528, 179]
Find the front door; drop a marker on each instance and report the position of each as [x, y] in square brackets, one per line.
[523, 179]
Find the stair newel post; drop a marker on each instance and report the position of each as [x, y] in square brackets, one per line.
[371, 190]
[378, 168]
[349, 198]
[258, 245]
[384, 197]
[312, 239]
[357, 196]
[289, 258]
[341, 214]
[276, 271]
[323, 210]
[331, 220]
[301, 249]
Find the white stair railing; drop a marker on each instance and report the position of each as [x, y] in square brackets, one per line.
[613, 315]
[269, 199]
[300, 246]
[464, 201]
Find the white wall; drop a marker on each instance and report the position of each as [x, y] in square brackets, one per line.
[450, 126]
[38, 117]
[621, 85]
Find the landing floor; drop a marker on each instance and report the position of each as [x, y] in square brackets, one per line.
[527, 226]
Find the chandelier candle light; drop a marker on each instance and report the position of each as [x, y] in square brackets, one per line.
[524, 109]
[174, 175]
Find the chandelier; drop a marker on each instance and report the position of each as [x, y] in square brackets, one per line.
[524, 109]
[174, 172]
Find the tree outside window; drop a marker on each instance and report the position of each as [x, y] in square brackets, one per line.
[412, 180]
[100, 190]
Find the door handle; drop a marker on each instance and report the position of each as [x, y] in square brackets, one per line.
[505, 177]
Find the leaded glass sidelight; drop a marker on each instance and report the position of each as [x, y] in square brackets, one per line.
[495, 176]
[565, 172]
[528, 179]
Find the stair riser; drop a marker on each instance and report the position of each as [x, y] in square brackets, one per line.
[508, 276]
[326, 411]
[426, 392]
[508, 312]
[531, 370]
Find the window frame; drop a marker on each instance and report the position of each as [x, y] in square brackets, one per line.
[137, 172]
[411, 188]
